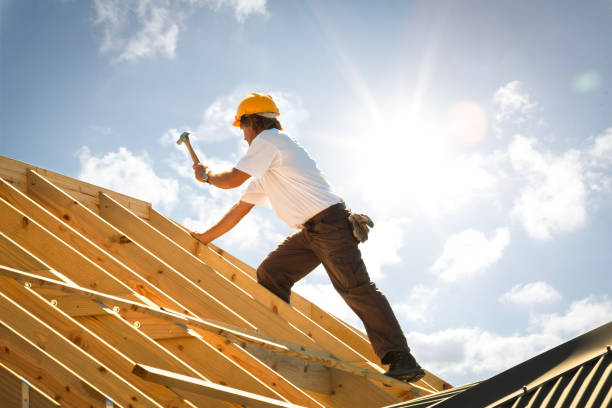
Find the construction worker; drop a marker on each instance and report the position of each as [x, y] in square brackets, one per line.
[286, 178]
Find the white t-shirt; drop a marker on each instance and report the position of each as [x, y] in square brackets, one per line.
[285, 178]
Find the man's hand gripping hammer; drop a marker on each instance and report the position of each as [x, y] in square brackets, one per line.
[184, 138]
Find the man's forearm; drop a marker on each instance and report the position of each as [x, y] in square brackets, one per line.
[225, 224]
[225, 179]
[222, 180]
[229, 221]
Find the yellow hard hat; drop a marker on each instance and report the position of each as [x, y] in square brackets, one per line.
[256, 103]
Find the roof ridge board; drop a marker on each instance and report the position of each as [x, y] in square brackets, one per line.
[231, 333]
[15, 171]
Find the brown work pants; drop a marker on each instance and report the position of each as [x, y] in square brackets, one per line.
[331, 242]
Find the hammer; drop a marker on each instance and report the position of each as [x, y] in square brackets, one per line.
[185, 139]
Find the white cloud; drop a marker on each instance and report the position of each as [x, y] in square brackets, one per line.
[325, 296]
[599, 163]
[383, 246]
[418, 304]
[531, 293]
[243, 8]
[472, 352]
[582, 315]
[126, 173]
[554, 200]
[513, 103]
[601, 151]
[469, 253]
[144, 28]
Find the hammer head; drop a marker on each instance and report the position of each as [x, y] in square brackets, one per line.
[184, 136]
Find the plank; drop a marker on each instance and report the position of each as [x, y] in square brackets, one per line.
[86, 247]
[15, 172]
[149, 267]
[197, 271]
[197, 324]
[191, 266]
[226, 264]
[195, 385]
[15, 256]
[46, 373]
[17, 392]
[245, 281]
[80, 350]
[269, 376]
[133, 312]
[57, 254]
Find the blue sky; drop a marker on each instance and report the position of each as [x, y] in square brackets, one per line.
[476, 134]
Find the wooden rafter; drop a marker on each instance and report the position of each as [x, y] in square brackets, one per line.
[187, 323]
[101, 278]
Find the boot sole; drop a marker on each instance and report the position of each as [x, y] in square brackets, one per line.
[409, 377]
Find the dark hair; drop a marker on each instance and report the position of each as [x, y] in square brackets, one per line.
[260, 123]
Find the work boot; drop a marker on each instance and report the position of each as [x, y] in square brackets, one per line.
[403, 366]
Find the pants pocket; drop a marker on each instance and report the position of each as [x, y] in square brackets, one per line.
[346, 268]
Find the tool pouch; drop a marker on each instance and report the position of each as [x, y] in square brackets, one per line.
[361, 226]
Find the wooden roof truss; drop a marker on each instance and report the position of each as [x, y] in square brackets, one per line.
[106, 302]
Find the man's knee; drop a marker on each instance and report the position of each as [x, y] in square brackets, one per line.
[273, 283]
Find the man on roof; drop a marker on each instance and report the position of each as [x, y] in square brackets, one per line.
[285, 178]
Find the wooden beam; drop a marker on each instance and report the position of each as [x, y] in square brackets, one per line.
[89, 224]
[57, 254]
[210, 360]
[13, 255]
[235, 269]
[80, 351]
[331, 323]
[284, 386]
[246, 282]
[60, 226]
[197, 386]
[86, 247]
[243, 275]
[197, 300]
[303, 373]
[198, 272]
[18, 392]
[191, 267]
[45, 372]
[14, 172]
[233, 334]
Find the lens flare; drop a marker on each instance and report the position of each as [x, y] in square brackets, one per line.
[468, 122]
[586, 82]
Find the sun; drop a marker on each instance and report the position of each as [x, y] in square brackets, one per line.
[414, 162]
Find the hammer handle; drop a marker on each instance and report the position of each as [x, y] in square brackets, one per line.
[194, 156]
